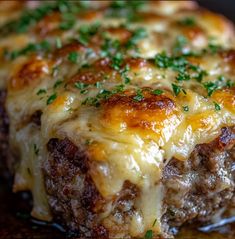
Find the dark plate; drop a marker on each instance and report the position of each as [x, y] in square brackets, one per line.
[15, 222]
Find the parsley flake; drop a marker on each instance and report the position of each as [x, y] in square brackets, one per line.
[139, 96]
[186, 108]
[36, 149]
[217, 106]
[41, 91]
[87, 31]
[137, 35]
[148, 234]
[157, 92]
[80, 85]
[58, 83]
[187, 21]
[43, 46]
[73, 57]
[210, 87]
[117, 61]
[51, 98]
[177, 89]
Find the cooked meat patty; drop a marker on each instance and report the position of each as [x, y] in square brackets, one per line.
[195, 190]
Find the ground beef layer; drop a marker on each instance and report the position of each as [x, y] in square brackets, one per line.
[195, 190]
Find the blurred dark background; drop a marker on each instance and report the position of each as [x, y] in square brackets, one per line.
[225, 7]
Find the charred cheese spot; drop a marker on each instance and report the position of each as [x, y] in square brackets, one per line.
[151, 17]
[30, 73]
[152, 114]
[91, 15]
[195, 34]
[137, 63]
[71, 47]
[119, 33]
[226, 98]
[48, 25]
[100, 70]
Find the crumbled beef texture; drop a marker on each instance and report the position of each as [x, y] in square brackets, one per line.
[73, 197]
[196, 189]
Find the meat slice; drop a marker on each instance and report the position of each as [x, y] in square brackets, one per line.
[195, 190]
[203, 186]
[74, 198]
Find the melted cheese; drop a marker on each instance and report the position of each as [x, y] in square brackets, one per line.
[129, 140]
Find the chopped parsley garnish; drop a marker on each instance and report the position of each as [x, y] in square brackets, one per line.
[51, 98]
[73, 57]
[68, 21]
[117, 61]
[118, 89]
[210, 87]
[66, 25]
[229, 84]
[31, 47]
[98, 85]
[58, 83]
[103, 95]
[95, 101]
[181, 65]
[110, 47]
[187, 21]
[31, 17]
[218, 84]
[186, 108]
[157, 92]
[41, 91]
[200, 74]
[183, 76]
[81, 85]
[124, 76]
[137, 35]
[139, 96]
[87, 31]
[88, 142]
[177, 89]
[154, 223]
[148, 234]
[162, 60]
[217, 106]
[179, 45]
[36, 149]
[214, 48]
[125, 8]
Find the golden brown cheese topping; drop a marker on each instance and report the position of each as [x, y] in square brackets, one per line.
[141, 82]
